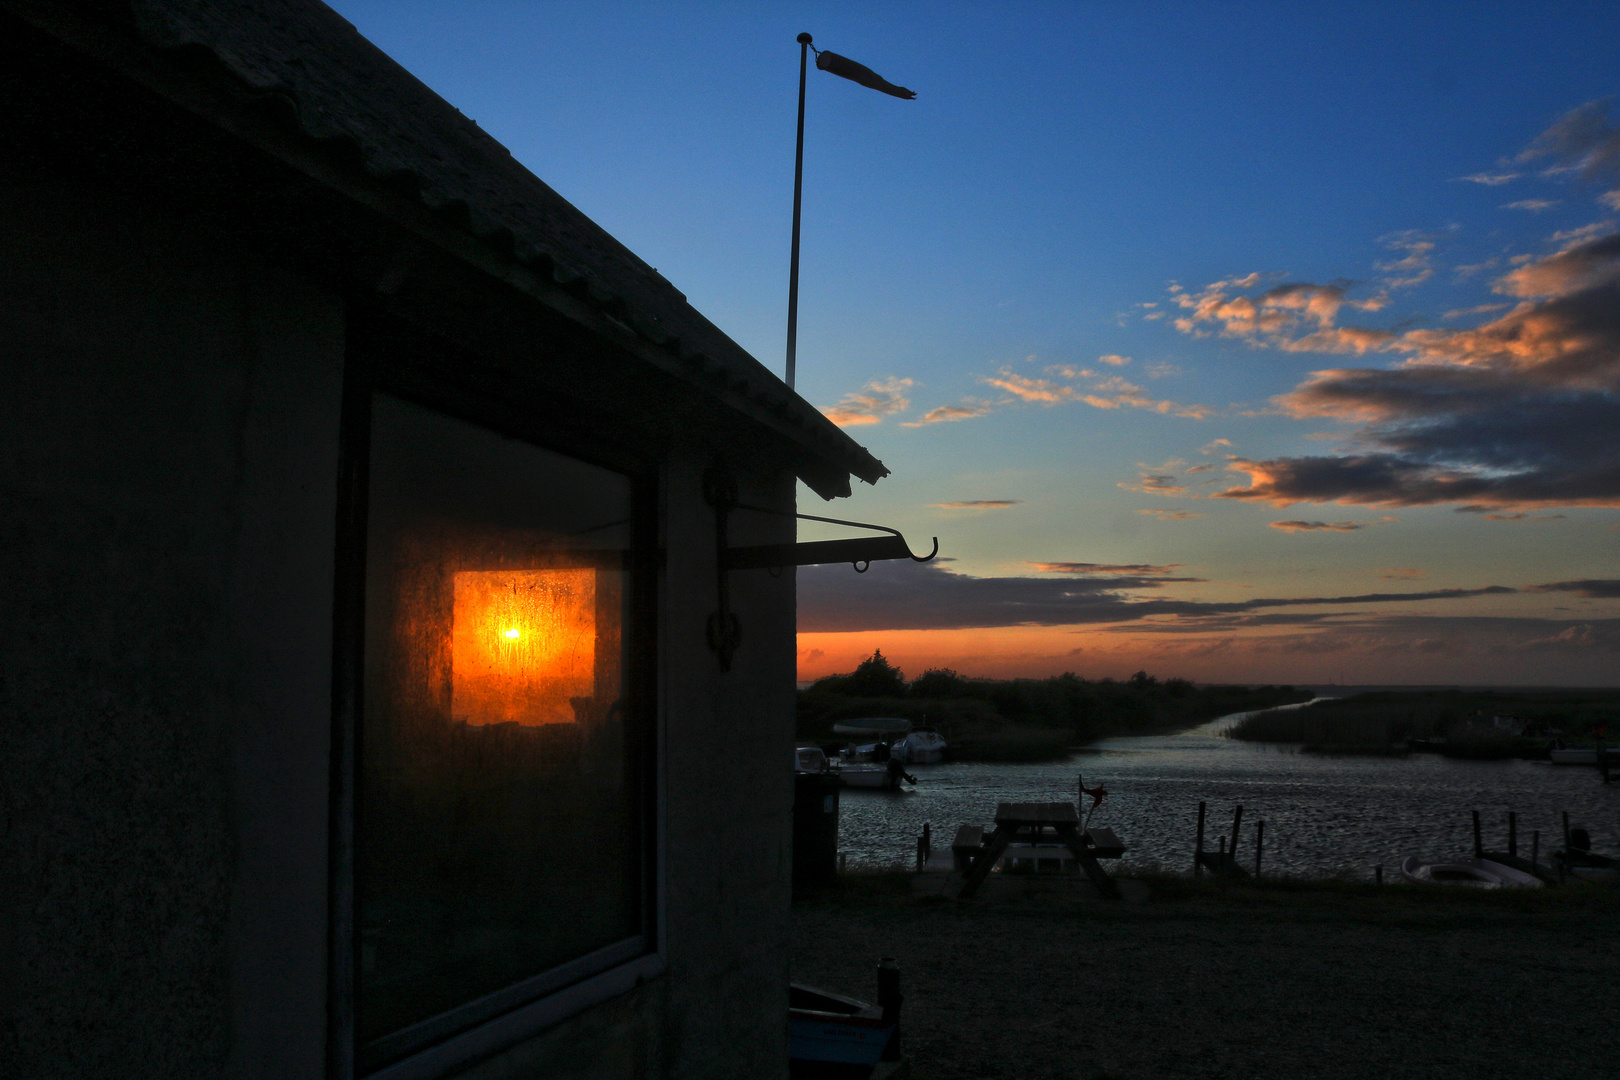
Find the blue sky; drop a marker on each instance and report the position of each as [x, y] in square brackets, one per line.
[1290, 183]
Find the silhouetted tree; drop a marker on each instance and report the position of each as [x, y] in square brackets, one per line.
[876, 677]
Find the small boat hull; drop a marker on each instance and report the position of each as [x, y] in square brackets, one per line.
[1467, 873]
[867, 776]
[1574, 755]
[825, 1028]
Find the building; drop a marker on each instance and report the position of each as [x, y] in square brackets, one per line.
[371, 699]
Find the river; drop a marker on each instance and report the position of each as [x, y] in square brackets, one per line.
[1323, 815]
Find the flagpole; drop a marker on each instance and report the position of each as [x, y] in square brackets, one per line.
[798, 189]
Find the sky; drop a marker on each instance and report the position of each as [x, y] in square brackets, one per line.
[1238, 343]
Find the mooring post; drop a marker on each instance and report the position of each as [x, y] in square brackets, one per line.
[1378, 875]
[1223, 848]
[922, 845]
[928, 841]
[1259, 845]
[1478, 847]
[1237, 819]
[1513, 833]
[1198, 848]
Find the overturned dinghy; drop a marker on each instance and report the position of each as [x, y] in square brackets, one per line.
[1469, 873]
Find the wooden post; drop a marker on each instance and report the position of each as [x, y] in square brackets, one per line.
[922, 845]
[1223, 847]
[928, 841]
[1198, 848]
[1479, 848]
[1237, 820]
[1513, 833]
[1563, 863]
[1378, 875]
[1259, 845]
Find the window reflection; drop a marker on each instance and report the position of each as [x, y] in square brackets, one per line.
[499, 828]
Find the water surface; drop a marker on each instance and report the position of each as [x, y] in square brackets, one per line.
[1323, 815]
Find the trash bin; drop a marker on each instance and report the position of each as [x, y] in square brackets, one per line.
[815, 831]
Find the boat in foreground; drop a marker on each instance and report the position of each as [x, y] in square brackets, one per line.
[828, 1030]
[1468, 873]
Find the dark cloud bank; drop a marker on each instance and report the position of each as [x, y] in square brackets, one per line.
[911, 596]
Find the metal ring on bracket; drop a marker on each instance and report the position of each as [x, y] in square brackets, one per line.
[861, 565]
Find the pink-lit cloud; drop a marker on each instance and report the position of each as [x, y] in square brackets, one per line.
[977, 504]
[871, 403]
[946, 414]
[1326, 526]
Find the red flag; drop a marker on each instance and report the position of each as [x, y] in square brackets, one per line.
[849, 69]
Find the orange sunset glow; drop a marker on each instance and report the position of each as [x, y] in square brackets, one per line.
[523, 644]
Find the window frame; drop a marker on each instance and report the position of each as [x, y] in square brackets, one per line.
[483, 1026]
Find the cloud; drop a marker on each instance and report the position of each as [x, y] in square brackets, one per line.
[1400, 573]
[1611, 199]
[1027, 389]
[1212, 447]
[1154, 484]
[1590, 588]
[1321, 526]
[1535, 206]
[1114, 360]
[1477, 309]
[870, 404]
[1491, 179]
[1296, 317]
[1104, 392]
[1108, 568]
[978, 504]
[1523, 516]
[900, 595]
[1475, 268]
[1178, 515]
[950, 413]
[1583, 140]
[1413, 267]
[1590, 262]
[1518, 412]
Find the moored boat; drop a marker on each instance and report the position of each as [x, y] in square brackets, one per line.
[1468, 873]
[1576, 755]
[921, 747]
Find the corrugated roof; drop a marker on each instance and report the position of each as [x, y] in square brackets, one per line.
[342, 88]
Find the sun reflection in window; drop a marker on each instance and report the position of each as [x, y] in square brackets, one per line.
[523, 644]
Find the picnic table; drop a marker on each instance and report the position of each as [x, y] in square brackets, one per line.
[1031, 822]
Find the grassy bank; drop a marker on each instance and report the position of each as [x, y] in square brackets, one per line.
[1026, 720]
[1457, 723]
[1193, 981]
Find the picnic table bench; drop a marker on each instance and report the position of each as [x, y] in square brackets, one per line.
[1031, 822]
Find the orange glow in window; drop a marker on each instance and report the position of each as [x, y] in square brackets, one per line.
[523, 644]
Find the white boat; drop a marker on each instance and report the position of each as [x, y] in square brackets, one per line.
[921, 747]
[866, 775]
[874, 727]
[1576, 755]
[1469, 873]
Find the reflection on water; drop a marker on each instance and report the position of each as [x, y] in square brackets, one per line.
[1323, 815]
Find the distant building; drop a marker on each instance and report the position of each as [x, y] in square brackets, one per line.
[364, 694]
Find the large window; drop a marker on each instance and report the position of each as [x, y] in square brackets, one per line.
[501, 842]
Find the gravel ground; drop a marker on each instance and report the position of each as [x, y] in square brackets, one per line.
[1039, 979]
